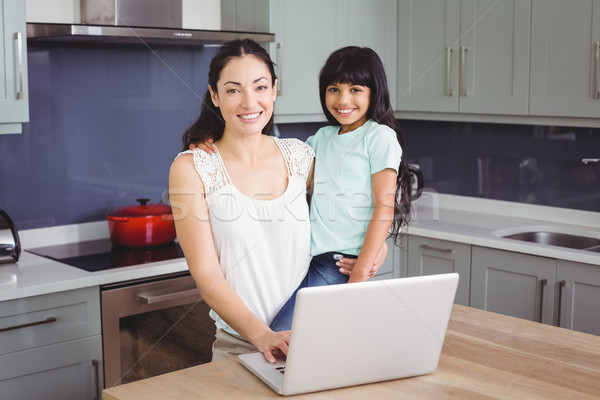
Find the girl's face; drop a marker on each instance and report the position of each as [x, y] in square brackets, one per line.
[245, 95]
[348, 104]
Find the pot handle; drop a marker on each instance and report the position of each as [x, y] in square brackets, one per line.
[142, 201]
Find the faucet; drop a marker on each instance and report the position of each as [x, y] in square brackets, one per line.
[590, 160]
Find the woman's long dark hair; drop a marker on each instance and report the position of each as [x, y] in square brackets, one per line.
[210, 123]
[362, 66]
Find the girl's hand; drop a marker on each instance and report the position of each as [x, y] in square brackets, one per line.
[206, 146]
[347, 264]
[273, 344]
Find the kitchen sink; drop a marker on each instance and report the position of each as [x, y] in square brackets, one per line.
[558, 239]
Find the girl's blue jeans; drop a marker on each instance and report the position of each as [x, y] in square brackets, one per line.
[322, 271]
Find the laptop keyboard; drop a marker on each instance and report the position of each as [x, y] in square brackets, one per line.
[281, 369]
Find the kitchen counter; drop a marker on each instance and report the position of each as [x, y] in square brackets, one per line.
[485, 356]
[482, 222]
[34, 275]
[447, 217]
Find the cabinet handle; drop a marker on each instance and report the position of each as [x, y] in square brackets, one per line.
[543, 283]
[561, 285]
[279, 55]
[96, 366]
[597, 70]
[427, 247]
[19, 41]
[449, 51]
[150, 299]
[462, 83]
[12, 328]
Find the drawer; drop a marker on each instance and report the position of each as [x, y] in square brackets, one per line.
[52, 318]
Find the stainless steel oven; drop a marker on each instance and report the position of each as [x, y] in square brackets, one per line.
[153, 326]
[149, 326]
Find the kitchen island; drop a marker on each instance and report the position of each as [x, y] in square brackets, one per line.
[485, 356]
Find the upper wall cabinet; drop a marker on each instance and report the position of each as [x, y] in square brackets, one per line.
[14, 102]
[565, 52]
[463, 56]
[306, 32]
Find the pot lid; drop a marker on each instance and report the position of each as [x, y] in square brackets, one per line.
[142, 210]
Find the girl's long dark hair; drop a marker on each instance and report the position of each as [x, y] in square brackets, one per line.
[210, 123]
[362, 66]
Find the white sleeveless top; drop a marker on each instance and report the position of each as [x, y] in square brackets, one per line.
[263, 245]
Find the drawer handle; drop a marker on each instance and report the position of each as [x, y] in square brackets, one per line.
[561, 285]
[96, 366]
[12, 328]
[543, 283]
[150, 299]
[19, 45]
[427, 247]
[596, 93]
[449, 51]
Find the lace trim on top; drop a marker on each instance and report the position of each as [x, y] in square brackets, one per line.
[298, 158]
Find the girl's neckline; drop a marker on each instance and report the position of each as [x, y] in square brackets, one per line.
[359, 129]
[287, 167]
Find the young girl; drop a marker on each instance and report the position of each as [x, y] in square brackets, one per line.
[361, 184]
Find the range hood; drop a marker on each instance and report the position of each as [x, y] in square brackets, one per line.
[153, 22]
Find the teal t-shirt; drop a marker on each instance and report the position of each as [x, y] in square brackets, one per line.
[342, 201]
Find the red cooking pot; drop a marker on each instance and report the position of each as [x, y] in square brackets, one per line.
[141, 225]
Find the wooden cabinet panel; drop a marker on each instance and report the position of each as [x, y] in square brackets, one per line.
[463, 56]
[519, 285]
[14, 98]
[579, 296]
[565, 37]
[432, 256]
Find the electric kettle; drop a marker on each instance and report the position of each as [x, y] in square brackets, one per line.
[10, 246]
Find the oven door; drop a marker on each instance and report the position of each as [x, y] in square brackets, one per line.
[154, 326]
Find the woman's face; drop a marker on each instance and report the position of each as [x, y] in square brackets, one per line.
[245, 95]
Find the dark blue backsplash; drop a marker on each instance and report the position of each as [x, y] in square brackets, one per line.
[519, 163]
[106, 123]
[105, 126]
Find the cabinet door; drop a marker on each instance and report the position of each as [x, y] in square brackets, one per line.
[373, 24]
[513, 284]
[306, 33]
[564, 68]
[494, 57]
[463, 56]
[428, 39]
[578, 296]
[67, 371]
[14, 103]
[432, 256]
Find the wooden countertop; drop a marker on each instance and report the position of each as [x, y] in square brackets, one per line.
[485, 356]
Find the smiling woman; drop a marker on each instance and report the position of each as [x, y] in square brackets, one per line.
[241, 213]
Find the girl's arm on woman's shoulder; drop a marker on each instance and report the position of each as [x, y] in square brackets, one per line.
[384, 189]
[191, 216]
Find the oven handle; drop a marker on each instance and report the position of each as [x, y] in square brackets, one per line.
[152, 299]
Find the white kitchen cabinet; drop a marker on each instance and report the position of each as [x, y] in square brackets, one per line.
[51, 346]
[306, 32]
[14, 102]
[520, 285]
[463, 56]
[565, 47]
[578, 287]
[428, 256]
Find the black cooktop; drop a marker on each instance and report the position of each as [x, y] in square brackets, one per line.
[97, 255]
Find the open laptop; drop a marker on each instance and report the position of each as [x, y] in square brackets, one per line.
[345, 335]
